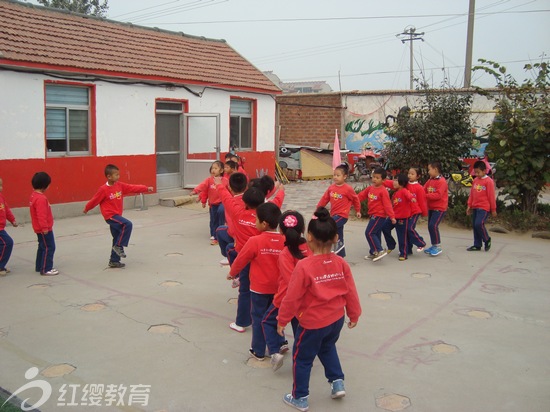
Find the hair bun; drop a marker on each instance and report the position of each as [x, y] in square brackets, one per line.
[322, 214]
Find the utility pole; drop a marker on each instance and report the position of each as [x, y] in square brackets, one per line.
[412, 36]
[469, 45]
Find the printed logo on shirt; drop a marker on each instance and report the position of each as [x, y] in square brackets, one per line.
[115, 195]
[246, 223]
[335, 195]
[329, 277]
[2, 206]
[480, 188]
[372, 196]
[432, 189]
[397, 200]
[268, 251]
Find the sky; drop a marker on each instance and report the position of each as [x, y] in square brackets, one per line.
[353, 44]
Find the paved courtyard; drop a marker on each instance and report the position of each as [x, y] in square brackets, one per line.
[464, 331]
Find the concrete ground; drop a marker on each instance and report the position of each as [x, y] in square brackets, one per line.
[464, 331]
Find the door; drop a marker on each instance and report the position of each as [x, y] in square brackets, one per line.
[202, 146]
[169, 144]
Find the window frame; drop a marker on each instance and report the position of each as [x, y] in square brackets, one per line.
[91, 111]
[253, 123]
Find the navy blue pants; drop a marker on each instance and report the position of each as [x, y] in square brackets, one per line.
[401, 229]
[479, 217]
[243, 301]
[414, 236]
[44, 254]
[215, 216]
[435, 217]
[6, 246]
[121, 230]
[269, 327]
[260, 303]
[373, 231]
[310, 343]
[340, 222]
[223, 238]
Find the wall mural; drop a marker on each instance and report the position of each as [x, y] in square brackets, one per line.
[361, 136]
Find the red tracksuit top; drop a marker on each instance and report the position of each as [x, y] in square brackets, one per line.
[437, 194]
[109, 198]
[41, 213]
[320, 291]
[402, 201]
[286, 264]
[230, 203]
[262, 252]
[378, 201]
[482, 194]
[341, 198]
[5, 213]
[207, 192]
[420, 206]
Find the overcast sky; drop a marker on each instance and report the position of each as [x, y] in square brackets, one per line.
[352, 44]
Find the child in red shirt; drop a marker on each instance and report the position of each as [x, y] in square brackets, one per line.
[320, 292]
[418, 208]
[341, 197]
[208, 193]
[292, 226]
[481, 202]
[42, 224]
[6, 242]
[437, 196]
[379, 210]
[109, 198]
[262, 253]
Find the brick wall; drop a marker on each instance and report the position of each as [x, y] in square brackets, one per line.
[309, 119]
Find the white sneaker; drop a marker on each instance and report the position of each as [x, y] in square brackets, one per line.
[236, 327]
[379, 255]
[212, 238]
[51, 272]
[276, 361]
[224, 262]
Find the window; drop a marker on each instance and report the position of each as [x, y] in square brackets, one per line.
[67, 120]
[240, 124]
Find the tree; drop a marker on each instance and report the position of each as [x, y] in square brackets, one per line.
[438, 130]
[519, 137]
[91, 7]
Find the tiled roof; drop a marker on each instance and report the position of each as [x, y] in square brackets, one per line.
[38, 37]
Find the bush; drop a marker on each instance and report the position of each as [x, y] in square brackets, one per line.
[456, 213]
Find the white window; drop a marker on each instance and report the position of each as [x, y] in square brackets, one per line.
[67, 120]
[240, 124]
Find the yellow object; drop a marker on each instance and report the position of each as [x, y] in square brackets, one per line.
[315, 166]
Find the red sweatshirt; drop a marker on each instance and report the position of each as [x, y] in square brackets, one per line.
[437, 193]
[482, 194]
[341, 198]
[41, 213]
[420, 206]
[231, 204]
[286, 264]
[378, 200]
[262, 252]
[207, 192]
[5, 213]
[320, 291]
[109, 198]
[402, 201]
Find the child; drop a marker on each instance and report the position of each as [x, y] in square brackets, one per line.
[320, 292]
[437, 196]
[481, 201]
[401, 200]
[109, 198]
[42, 224]
[235, 158]
[418, 208]
[207, 192]
[261, 252]
[292, 226]
[229, 168]
[6, 242]
[341, 197]
[379, 210]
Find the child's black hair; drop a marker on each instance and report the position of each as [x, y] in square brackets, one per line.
[292, 225]
[402, 179]
[219, 163]
[418, 171]
[232, 164]
[270, 213]
[343, 167]
[41, 181]
[229, 155]
[253, 197]
[110, 169]
[480, 164]
[237, 182]
[380, 171]
[322, 227]
[436, 165]
[265, 184]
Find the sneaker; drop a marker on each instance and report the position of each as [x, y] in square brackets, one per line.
[379, 255]
[212, 238]
[402, 258]
[116, 265]
[235, 283]
[277, 361]
[388, 251]
[370, 256]
[224, 262]
[119, 251]
[339, 246]
[255, 356]
[436, 250]
[51, 272]
[473, 249]
[420, 249]
[284, 348]
[297, 403]
[213, 242]
[337, 389]
[4, 272]
[428, 250]
[236, 327]
[487, 246]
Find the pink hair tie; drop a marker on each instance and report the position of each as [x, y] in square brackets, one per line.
[290, 221]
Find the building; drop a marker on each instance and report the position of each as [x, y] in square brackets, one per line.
[79, 92]
[316, 86]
